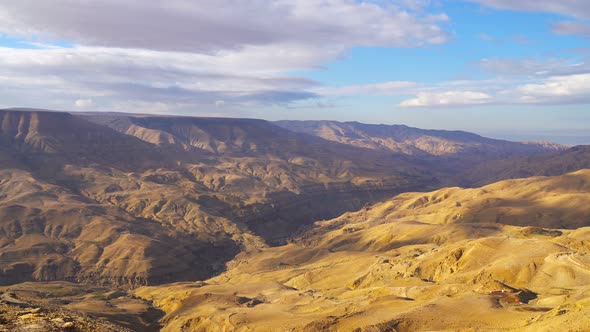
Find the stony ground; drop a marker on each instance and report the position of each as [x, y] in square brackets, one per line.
[14, 318]
[65, 306]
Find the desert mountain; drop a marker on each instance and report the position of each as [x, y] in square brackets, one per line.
[509, 256]
[189, 193]
[285, 178]
[455, 157]
[76, 194]
[414, 141]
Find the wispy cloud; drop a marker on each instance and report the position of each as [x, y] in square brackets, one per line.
[488, 38]
[576, 9]
[571, 8]
[572, 28]
[378, 89]
[565, 89]
[109, 76]
[532, 67]
[522, 39]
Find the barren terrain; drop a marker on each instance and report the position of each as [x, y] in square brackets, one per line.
[115, 222]
[511, 256]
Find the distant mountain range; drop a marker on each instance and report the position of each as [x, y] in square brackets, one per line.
[414, 141]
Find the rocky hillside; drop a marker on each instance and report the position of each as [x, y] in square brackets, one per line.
[124, 201]
[414, 141]
[75, 194]
[69, 307]
[49, 232]
[509, 256]
[288, 179]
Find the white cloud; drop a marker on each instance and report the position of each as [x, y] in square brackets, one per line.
[166, 56]
[211, 26]
[146, 107]
[447, 99]
[83, 103]
[153, 81]
[193, 53]
[558, 89]
[111, 76]
[565, 89]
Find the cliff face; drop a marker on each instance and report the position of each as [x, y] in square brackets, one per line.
[45, 141]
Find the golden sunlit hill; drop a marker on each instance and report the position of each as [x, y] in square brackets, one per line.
[511, 256]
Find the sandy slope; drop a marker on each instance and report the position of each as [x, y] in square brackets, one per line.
[418, 262]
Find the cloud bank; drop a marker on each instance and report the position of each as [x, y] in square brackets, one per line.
[212, 26]
[181, 52]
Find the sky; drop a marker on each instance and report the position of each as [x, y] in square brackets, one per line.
[514, 69]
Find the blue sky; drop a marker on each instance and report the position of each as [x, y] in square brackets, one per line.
[514, 69]
[515, 35]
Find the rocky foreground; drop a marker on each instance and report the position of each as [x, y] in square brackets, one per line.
[63, 306]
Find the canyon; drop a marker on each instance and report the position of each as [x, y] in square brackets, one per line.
[246, 224]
